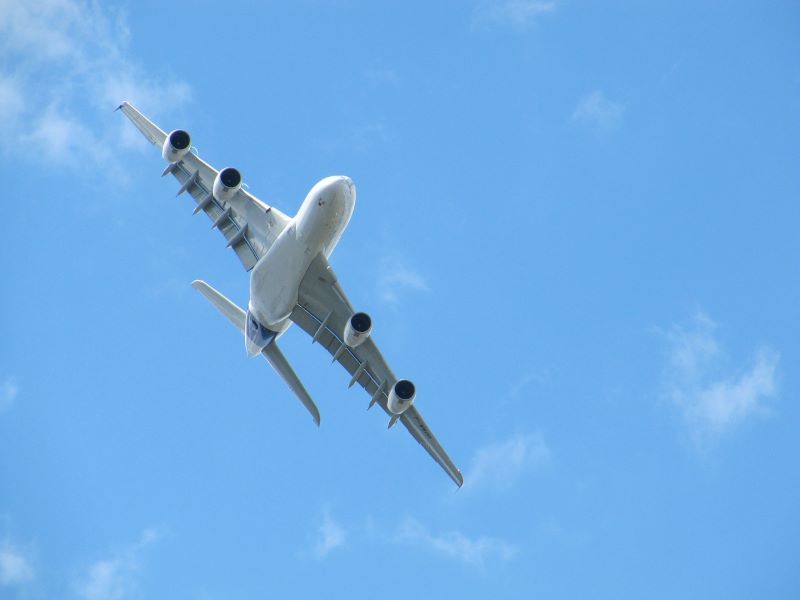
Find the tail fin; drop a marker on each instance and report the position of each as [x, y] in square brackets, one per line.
[274, 356]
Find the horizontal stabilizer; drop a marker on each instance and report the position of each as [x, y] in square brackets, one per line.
[235, 314]
[278, 361]
[274, 356]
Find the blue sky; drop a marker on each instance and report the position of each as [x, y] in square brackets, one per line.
[575, 231]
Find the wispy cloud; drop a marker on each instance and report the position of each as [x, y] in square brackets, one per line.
[8, 393]
[476, 552]
[479, 551]
[115, 577]
[597, 111]
[71, 67]
[11, 101]
[396, 278]
[713, 398]
[501, 464]
[330, 534]
[62, 138]
[527, 379]
[516, 13]
[15, 565]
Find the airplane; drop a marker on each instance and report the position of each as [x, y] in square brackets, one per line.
[291, 280]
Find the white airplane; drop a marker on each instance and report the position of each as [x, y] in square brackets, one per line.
[291, 280]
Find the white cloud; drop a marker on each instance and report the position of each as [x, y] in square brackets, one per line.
[71, 68]
[15, 565]
[11, 102]
[500, 465]
[712, 399]
[692, 350]
[597, 111]
[47, 30]
[107, 579]
[8, 393]
[396, 278]
[115, 577]
[525, 381]
[475, 552]
[329, 536]
[517, 13]
[61, 138]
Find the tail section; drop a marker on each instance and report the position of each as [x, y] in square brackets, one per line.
[259, 339]
[278, 361]
[256, 336]
[234, 314]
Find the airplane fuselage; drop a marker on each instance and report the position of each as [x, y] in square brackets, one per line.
[317, 227]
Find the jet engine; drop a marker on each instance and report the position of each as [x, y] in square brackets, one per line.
[401, 397]
[176, 146]
[357, 330]
[227, 183]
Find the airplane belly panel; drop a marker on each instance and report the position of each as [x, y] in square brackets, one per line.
[319, 224]
[275, 279]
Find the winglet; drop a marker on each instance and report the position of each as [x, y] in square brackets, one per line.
[154, 134]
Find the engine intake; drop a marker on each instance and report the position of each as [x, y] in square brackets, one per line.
[401, 397]
[357, 330]
[227, 182]
[176, 146]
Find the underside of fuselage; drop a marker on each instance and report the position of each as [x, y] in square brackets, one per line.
[276, 277]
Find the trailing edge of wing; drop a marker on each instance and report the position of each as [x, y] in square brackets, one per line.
[271, 352]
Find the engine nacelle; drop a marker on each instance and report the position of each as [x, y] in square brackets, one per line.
[357, 330]
[401, 397]
[176, 146]
[227, 183]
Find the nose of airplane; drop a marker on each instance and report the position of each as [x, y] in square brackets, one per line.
[335, 187]
[343, 185]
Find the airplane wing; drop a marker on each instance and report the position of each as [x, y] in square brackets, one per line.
[248, 224]
[323, 311]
